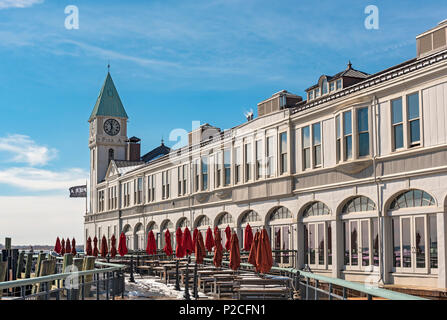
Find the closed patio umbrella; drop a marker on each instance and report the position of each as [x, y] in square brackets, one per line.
[218, 250]
[67, 246]
[209, 240]
[149, 244]
[88, 249]
[168, 247]
[104, 250]
[264, 259]
[63, 246]
[253, 250]
[235, 255]
[95, 246]
[153, 242]
[194, 239]
[113, 246]
[187, 242]
[199, 248]
[122, 247]
[179, 249]
[228, 236]
[248, 237]
[73, 246]
[57, 246]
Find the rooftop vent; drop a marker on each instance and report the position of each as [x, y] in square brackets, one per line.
[433, 40]
[278, 101]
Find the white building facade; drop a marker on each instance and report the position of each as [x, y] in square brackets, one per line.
[353, 179]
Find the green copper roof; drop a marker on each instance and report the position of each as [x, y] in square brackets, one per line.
[108, 102]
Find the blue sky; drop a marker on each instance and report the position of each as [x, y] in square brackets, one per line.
[173, 62]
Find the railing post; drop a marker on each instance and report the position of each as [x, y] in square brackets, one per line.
[83, 288]
[97, 286]
[106, 279]
[123, 284]
[330, 291]
[131, 269]
[186, 295]
[316, 290]
[307, 288]
[344, 293]
[177, 280]
[369, 296]
[195, 291]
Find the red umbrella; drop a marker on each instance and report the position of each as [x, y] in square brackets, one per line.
[216, 229]
[88, 248]
[187, 242]
[228, 234]
[62, 246]
[153, 244]
[209, 240]
[218, 251]
[194, 239]
[179, 249]
[122, 248]
[235, 255]
[113, 246]
[67, 246]
[248, 237]
[95, 246]
[57, 246]
[199, 248]
[73, 246]
[104, 250]
[168, 247]
[149, 244]
[264, 259]
[253, 249]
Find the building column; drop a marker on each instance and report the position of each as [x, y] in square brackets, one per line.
[442, 252]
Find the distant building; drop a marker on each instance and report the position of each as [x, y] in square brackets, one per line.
[352, 178]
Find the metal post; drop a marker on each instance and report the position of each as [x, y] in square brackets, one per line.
[330, 291]
[177, 280]
[106, 279]
[369, 296]
[131, 269]
[123, 284]
[83, 287]
[316, 291]
[344, 293]
[186, 295]
[195, 291]
[97, 286]
[307, 288]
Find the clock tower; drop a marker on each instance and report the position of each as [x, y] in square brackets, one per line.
[108, 135]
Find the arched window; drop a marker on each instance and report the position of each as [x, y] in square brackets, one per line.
[250, 216]
[152, 226]
[183, 223]
[358, 204]
[226, 218]
[280, 213]
[203, 222]
[127, 230]
[167, 224]
[412, 198]
[111, 154]
[316, 209]
[324, 87]
[139, 237]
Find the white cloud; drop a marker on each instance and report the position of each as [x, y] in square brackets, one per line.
[5, 4]
[25, 150]
[43, 180]
[39, 220]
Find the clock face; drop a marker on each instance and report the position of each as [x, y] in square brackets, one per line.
[112, 127]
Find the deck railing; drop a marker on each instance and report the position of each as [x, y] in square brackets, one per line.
[104, 282]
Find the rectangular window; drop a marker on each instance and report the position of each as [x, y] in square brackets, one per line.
[338, 84]
[332, 86]
[311, 95]
[165, 184]
[346, 246]
[306, 147]
[180, 181]
[218, 169]
[433, 242]
[248, 162]
[258, 159]
[196, 175]
[363, 134]
[139, 190]
[317, 92]
[338, 135]
[396, 242]
[347, 134]
[238, 165]
[375, 230]
[205, 173]
[185, 177]
[151, 188]
[329, 244]
[316, 142]
[283, 152]
[227, 167]
[413, 119]
[270, 157]
[397, 122]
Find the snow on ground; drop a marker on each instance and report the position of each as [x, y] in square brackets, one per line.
[150, 287]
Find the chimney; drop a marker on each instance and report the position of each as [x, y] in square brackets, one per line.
[432, 41]
[133, 149]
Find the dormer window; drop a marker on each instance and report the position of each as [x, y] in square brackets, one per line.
[332, 86]
[339, 84]
[317, 92]
[324, 87]
[311, 95]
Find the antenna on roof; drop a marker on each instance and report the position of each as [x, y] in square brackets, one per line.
[349, 64]
[249, 115]
[108, 66]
